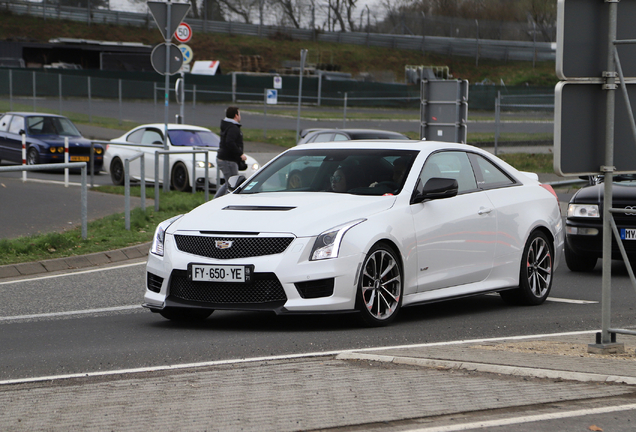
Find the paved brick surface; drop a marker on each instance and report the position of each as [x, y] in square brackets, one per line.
[473, 353]
[284, 396]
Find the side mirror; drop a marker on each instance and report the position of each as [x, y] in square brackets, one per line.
[235, 181]
[437, 188]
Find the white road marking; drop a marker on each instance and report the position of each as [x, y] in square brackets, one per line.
[559, 300]
[78, 312]
[573, 301]
[73, 273]
[272, 358]
[527, 419]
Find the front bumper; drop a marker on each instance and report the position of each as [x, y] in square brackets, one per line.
[592, 244]
[283, 283]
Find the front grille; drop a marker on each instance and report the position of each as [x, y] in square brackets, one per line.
[154, 282]
[315, 289]
[264, 288]
[241, 247]
[626, 219]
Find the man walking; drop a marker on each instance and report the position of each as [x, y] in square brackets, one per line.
[230, 153]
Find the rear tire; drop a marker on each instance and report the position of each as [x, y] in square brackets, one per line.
[577, 262]
[185, 314]
[117, 172]
[179, 177]
[535, 274]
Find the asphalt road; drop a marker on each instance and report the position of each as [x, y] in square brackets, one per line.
[91, 321]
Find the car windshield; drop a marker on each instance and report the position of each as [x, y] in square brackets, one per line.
[44, 125]
[352, 171]
[193, 138]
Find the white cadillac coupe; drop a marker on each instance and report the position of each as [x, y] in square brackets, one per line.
[366, 227]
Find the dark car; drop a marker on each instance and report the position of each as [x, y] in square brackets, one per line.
[327, 135]
[584, 223]
[45, 134]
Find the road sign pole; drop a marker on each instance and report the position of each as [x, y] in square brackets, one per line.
[608, 170]
[303, 56]
[166, 115]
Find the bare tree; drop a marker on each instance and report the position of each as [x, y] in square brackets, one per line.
[243, 8]
[291, 11]
[543, 13]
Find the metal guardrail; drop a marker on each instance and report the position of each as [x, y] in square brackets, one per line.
[84, 193]
[467, 47]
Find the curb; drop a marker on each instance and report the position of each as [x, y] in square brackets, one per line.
[491, 368]
[74, 262]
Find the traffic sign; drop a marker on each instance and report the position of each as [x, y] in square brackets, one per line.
[158, 59]
[159, 11]
[272, 97]
[579, 129]
[187, 53]
[183, 33]
[444, 110]
[278, 82]
[582, 35]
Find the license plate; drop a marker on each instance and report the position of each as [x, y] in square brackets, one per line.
[628, 233]
[220, 273]
[80, 158]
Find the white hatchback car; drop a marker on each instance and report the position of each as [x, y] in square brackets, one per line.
[149, 138]
[372, 227]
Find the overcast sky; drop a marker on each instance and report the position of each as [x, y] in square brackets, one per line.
[130, 6]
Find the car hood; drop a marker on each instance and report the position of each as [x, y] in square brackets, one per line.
[58, 140]
[302, 214]
[623, 191]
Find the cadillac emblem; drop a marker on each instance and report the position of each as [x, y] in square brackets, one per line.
[223, 244]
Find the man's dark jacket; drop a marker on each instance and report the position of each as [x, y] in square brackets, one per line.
[231, 145]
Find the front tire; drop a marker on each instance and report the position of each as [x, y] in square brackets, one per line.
[535, 275]
[33, 157]
[179, 178]
[185, 314]
[117, 172]
[577, 262]
[379, 295]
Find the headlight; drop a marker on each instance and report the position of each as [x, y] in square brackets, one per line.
[583, 211]
[160, 234]
[201, 164]
[255, 167]
[327, 245]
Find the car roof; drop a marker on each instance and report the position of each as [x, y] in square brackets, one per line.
[173, 126]
[306, 132]
[33, 114]
[389, 144]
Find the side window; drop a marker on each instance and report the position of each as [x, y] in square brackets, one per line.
[152, 136]
[135, 137]
[323, 137]
[491, 176]
[4, 122]
[451, 164]
[340, 137]
[17, 124]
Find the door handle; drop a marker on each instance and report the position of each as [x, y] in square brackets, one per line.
[484, 210]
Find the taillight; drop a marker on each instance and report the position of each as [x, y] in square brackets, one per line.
[549, 189]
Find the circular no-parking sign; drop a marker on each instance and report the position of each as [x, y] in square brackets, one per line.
[183, 33]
